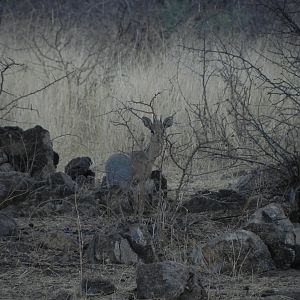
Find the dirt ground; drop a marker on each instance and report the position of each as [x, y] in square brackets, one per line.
[45, 260]
[31, 268]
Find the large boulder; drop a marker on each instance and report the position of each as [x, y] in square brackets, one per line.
[276, 230]
[29, 151]
[79, 170]
[128, 244]
[206, 200]
[235, 252]
[169, 280]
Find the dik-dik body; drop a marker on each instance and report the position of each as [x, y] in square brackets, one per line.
[131, 170]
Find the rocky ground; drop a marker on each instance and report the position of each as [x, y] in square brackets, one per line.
[64, 237]
[42, 261]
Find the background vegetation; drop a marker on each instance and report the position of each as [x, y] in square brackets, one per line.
[228, 70]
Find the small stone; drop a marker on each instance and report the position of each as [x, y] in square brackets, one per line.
[112, 248]
[128, 244]
[169, 280]
[276, 230]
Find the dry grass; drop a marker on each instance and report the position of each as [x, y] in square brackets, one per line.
[76, 110]
[32, 271]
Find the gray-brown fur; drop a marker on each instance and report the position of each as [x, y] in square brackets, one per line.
[133, 169]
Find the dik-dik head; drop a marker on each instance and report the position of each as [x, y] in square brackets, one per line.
[157, 127]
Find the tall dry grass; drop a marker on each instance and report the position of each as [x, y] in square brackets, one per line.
[78, 110]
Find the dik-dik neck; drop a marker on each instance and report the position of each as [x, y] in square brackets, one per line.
[154, 149]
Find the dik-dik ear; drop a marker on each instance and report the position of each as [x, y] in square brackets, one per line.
[147, 122]
[168, 122]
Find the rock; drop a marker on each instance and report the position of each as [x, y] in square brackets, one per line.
[97, 286]
[59, 178]
[234, 252]
[62, 184]
[276, 231]
[208, 200]
[7, 225]
[55, 202]
[271, 214]
[28, 151]
[61, 190]
[111, 249]
[129, 244]
[246, 184]
[15, 187]
[139, 239]
[269, 180]
[59, 241]
[79, 166]
[169, 280]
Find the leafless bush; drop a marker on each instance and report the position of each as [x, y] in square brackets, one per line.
[255, 120]
[10, 101]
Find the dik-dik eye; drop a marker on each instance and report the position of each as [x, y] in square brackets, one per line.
[152, 131]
